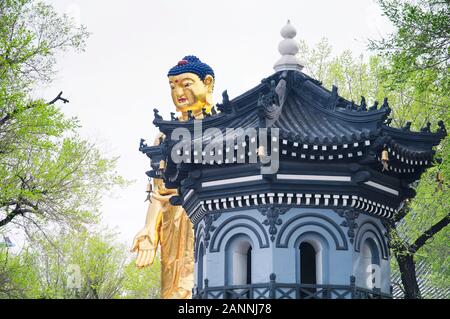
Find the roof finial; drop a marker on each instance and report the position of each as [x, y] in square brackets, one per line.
[288, 48]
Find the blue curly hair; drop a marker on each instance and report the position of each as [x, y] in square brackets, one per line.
[192, 64]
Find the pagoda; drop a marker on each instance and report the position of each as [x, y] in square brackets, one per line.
[298, 211]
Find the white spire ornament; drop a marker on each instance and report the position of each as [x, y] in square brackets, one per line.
[288, 48]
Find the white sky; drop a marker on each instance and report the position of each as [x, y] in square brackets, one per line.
[114, 86]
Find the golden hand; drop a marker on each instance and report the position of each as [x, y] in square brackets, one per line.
[145, 251]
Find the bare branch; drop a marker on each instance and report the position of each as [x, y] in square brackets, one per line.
[433, 230]
[16, 111]
[59, 97]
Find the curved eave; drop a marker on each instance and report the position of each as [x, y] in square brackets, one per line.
[406, 137]
[319, 98]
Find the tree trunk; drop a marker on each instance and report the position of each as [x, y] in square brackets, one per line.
[408, 275]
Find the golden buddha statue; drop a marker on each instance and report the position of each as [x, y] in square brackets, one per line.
[191, 83]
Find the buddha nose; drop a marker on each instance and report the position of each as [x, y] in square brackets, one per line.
[179, 91]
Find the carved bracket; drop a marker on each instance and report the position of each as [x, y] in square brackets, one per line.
[350, 216]
[209, 219]
[273, 219]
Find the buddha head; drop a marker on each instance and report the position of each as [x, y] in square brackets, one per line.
[191, 83]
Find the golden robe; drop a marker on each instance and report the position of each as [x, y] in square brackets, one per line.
[171, 228]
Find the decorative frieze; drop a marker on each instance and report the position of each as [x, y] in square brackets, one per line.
[350, 216]
[293, 200]
[209, 219]
[273, 219]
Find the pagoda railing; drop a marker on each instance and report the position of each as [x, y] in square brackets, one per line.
[275, 290]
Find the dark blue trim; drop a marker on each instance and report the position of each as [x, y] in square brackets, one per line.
[198, 237]
[378, 235]
[240, 217]
[313, 215]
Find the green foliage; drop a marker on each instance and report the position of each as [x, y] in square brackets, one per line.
[52, 180]
[49, 175]
[418, 55]
[86, 265]
[31, 35]
[18, 278]
[421, 41]
[430, 205]
[76, 265]
[142, 283]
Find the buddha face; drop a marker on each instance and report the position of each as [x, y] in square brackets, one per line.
[190, 93]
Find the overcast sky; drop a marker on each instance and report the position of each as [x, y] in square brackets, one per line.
[114, 85]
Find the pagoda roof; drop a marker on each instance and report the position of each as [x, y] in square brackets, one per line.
[307, 113]
[329, 149]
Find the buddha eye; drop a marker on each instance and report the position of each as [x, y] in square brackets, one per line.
[186, 85]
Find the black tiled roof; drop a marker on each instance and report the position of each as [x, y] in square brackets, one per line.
[308, 123]
[306, 112]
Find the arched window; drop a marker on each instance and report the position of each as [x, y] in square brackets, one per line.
[370, 265]
[200, 266]
[239, 261]
[312, 259]
[308, 268]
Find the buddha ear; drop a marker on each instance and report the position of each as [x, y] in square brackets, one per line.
[209, 82]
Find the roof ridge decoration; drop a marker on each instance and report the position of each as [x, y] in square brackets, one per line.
[288, 49]
[270, 105]
[330, 103]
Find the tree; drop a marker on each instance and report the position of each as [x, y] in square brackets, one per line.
[142, 283]
[87, 264]
[49, 175]
[426, 216]
[18, 278]
[31, 35]
[418, 52]
[421, 41]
